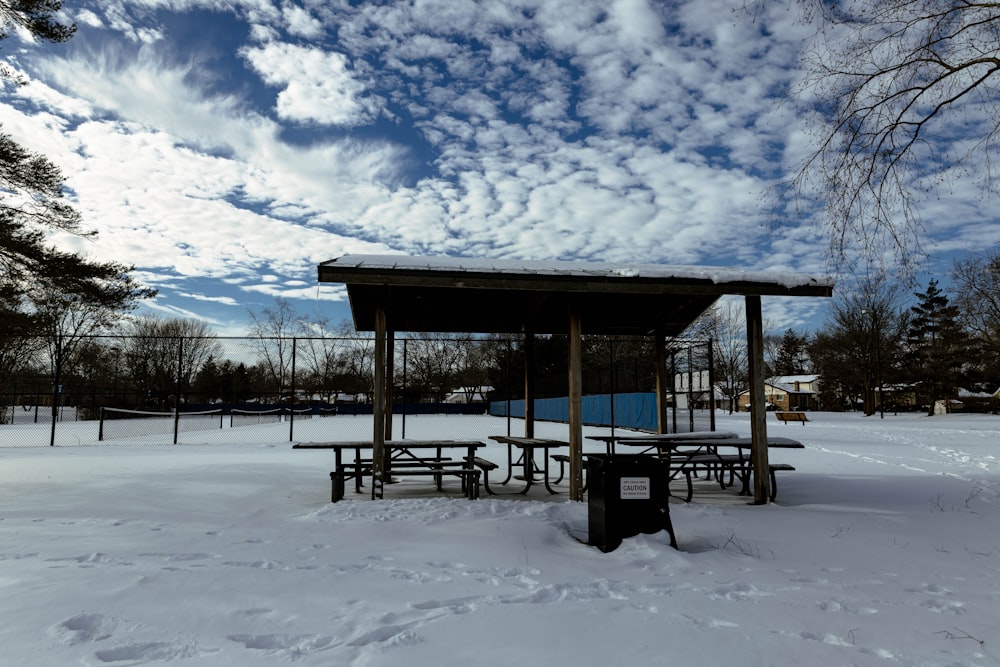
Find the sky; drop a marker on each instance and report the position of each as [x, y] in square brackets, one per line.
[881, 550]
[227, 148]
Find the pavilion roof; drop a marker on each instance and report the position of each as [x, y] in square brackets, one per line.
[466, 295]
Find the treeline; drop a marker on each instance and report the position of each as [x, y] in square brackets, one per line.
[151, 363]
[881, 348]
[877, 342]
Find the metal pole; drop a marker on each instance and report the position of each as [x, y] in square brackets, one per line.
[390, 381]
[611, 353]
[711, 384]
[673, 388]
[660, 345]
[403, 434]
[56, 389]
[690, 391]
[177, 387]
[291, 400]
[508, 385]
[529, 385]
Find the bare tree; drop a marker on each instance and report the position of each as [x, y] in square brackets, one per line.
[905, 97]
[858, 350]
[272, 334]
[434, 362]
[160, 357]
[976, 290]
[323, 355]
[725, 324]
[977, 294]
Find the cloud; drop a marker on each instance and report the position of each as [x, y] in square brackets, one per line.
[301, 23]
[316, 85]
[280, 135]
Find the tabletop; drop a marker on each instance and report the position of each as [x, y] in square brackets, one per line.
[393, 444]
[652, 440]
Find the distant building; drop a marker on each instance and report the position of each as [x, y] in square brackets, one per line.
[787, 392]
[468, 394]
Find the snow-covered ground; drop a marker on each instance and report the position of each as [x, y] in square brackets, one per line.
[882, 549]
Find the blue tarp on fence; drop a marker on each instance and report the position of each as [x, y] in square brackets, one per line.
[631, 410]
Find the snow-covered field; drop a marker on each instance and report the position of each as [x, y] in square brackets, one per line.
[882, 549]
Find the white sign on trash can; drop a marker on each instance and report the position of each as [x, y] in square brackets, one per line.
[634, 488]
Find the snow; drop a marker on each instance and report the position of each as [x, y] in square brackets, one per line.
[883, 548]
[718, 275]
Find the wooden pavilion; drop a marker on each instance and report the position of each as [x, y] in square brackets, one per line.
[390, 294]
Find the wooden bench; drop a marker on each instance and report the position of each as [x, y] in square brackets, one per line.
[469, 477]
[736, 466]
[563, 460]
[774, 482]
[363, 467]
[486, 466]
[786, 417]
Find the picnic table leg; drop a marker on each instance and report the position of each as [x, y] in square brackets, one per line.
[528, 462]
[510, 464]
[357, 470]
[545, 469]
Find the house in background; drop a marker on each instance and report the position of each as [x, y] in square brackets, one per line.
[897, 397]
[787, 392]
[468, 394]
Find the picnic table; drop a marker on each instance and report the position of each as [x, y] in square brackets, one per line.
[530, 470]
[650, 441]
[405, 458]
[717, 454]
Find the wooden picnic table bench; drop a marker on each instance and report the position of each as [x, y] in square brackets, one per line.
[650, 441]
[738, 465]
[526, 462]
[785, 417]
[407, 457]
[692, 454]
[486, 466]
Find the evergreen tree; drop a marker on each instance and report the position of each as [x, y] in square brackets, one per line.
[937, 345]
[38, 282]
[792, 354]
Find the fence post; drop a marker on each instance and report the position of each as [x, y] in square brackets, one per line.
[291, 400]
[507, 375]
[690, 392]
[56, 389]
[711, 384]
[673, 388]
[177, 387]
[390, 375]
[611, 354]
[403, 434]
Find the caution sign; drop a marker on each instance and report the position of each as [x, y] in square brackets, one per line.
[634, 488]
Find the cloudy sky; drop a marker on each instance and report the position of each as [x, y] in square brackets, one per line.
[225, 148]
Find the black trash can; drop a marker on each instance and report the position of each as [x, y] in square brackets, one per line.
[628, 494]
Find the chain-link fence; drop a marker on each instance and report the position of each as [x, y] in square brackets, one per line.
[135, 389]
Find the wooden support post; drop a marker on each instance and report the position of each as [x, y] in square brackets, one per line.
[529, 385]
[378, 407]
[575, 406]
[758, 400]
[662, 426]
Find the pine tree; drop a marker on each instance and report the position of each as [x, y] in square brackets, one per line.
[792, 354]
[937, 345]
[38, 282]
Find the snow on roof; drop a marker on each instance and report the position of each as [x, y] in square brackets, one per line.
[792, 379]
[714, 274]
